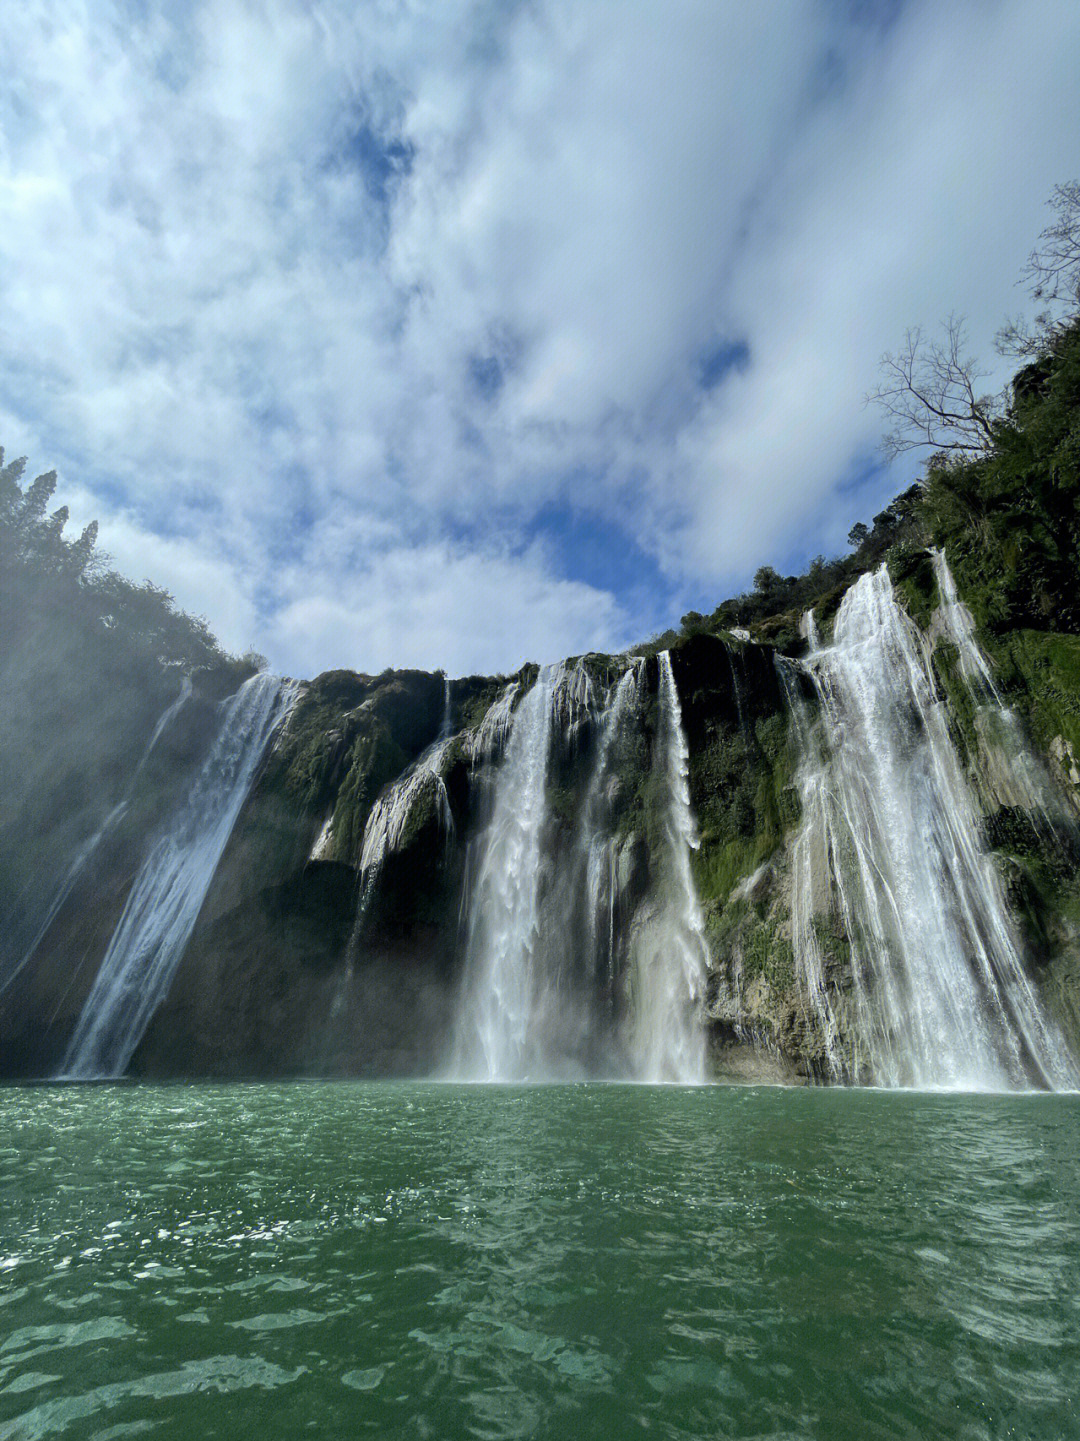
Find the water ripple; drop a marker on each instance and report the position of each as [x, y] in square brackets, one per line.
[585, 1261]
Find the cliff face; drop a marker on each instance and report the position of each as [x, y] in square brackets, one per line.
[310, 957]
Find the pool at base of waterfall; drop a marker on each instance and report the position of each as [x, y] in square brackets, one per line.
[585, 1261]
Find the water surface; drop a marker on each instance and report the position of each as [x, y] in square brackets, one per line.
[585, 1261]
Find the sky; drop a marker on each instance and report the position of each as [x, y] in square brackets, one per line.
[457, 334]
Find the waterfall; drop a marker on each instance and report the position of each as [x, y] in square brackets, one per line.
[810, 863]
[90, 845]
[957, 623]
[670, 956]
[384, 832]
[1019, 776]
[169, 890]
[597, 853]
[389, 817]
[506, 997]
[489, 738]
[165, 720]
[939, 996]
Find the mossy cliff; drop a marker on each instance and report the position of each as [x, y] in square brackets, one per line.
[295, 968]
[301, 963]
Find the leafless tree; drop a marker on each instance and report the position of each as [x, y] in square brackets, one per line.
[1053, 268]
[929, 395]
[1052, 274]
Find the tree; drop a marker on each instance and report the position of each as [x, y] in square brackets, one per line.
[931, 398]
[1052, 274]
[766, 580]
[1053, 269]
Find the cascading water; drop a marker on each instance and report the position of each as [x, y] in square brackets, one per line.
[389, 817]
[165, 720]
[811, 874]
[489, 738]
[597, 854]
[384, 832]
[171, 885]
[938, 995]
[91, 844]
[1019, 777]
[390, 814]
[958, 625]
[670, 955]
[506, 999]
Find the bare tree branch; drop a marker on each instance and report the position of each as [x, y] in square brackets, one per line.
[930, 399]
[1053, 268]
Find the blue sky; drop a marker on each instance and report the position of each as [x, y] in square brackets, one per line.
[455, 334]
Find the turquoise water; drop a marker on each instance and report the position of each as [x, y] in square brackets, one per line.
[586, 1261]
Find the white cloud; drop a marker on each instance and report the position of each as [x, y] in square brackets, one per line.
[433, 607]
[257, 369]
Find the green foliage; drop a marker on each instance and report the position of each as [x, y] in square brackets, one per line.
[317, 740]
[90, 662]
[1041, 670]
[912, 575]
[48, 582]
[774, 609]
[1010, 521]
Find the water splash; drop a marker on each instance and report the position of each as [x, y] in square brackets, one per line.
[938, 995]
[171, 885]
[670, 956]
[91, 844]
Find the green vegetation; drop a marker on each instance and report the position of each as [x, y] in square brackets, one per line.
[745, 804]
[90, 661]
[49, 583]
[1001, 492]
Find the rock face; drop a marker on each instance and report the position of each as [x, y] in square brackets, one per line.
[308, 958]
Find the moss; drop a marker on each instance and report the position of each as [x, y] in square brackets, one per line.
[1041, 670]
[718, 867]
[912, 574]
[766, 952]
[423, 813]
[1047, 902]
[746, 805]
[374, 760]
[477, 696]
[833, 941]
[563, 803]
[961, 706]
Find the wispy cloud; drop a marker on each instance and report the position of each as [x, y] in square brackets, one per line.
[326, 311]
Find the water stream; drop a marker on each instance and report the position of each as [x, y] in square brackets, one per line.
[168, 892]
[506, 994]
[669, 952]
[890, 841]
[90, 845]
